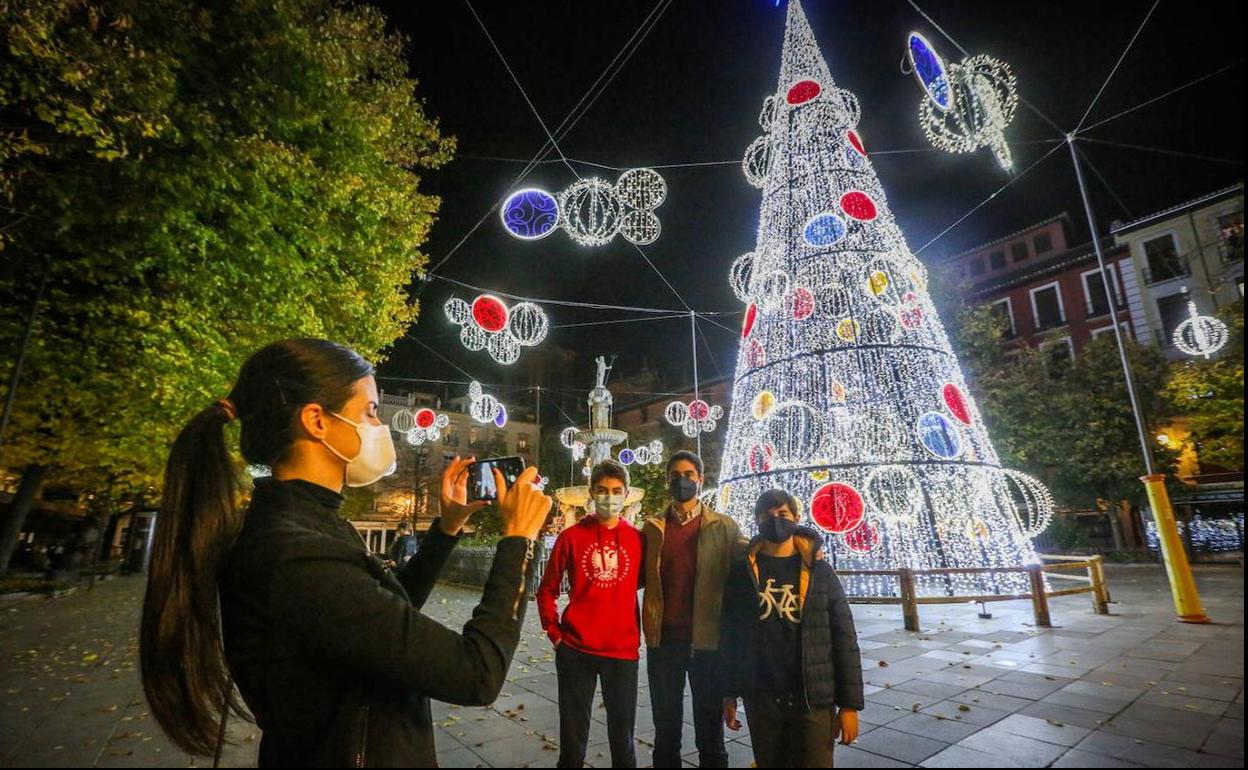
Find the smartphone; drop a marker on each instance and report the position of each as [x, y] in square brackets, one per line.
[481, 477]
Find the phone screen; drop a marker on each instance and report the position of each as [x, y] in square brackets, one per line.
[481, 477]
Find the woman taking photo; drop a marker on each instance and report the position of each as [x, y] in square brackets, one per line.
[328, 647]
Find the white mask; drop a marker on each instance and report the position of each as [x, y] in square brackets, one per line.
[376, 457]
[609, 506]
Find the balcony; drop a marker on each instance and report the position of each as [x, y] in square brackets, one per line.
[1166, 270]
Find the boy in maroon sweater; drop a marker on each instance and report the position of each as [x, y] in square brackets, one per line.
[598, 636]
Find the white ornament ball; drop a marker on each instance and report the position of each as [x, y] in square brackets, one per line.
[640, 227]
[473, 337]
[677, 412]
[641, 188]
[503, 348]
[741, 274]
[591, 212]
[757, 162]
[457, 311]
[528, 323]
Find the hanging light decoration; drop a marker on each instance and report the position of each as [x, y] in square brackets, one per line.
[695, 417]
[484, 407]
[488, 324]
[591, 211]
[427, 426]
[1199, 335]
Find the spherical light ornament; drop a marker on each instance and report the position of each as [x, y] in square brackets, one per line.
[837, 392]
[929, 69]
[500, 416]
[760, 458]
[863, 539]
[403, 421]
[567, 437]
[473, 337]
[939, 435]
[676, 412]
[823, 229]
[1025, 498]
[642, 455]
[832, 301]
[894, 494]
[755, 354]
[772, 289]
[528, 323]
[690, 427]
[699, 409]
[955, 402]
[591, 212]
[457, 311]
[858, 205]
[627, 456]
[855, 142]
[801, 303]
[1200, 335]
[795, 432]
[767, 116]
[640, 227]
[763, 403]
[415, 437]
[258, 471]
[877, 282]
[878, 435]
[503, 348]
[641, 188]
[751, 316]
[757, 161]
[837, 508]
[741, 274]
[490, 313]
[716, 413]
[425, 418]
[484, 409]
[803, 91]
[847, 329]
[530, 214]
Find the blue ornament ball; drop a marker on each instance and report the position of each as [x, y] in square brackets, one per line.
[530, 214]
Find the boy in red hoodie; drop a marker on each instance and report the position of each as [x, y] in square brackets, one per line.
[598, 636]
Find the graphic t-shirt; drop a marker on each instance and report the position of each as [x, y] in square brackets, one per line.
[779, 620]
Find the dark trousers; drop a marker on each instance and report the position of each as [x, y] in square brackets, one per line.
[784, 734]
[579, 674]
[667, 666]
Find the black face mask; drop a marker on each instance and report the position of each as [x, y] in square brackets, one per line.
[682, 489]
[777, 530]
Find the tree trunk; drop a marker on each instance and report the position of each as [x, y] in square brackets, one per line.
[15, 517]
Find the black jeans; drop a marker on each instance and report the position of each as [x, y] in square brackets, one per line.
[784, 734]
[667, 667]
[579, 673]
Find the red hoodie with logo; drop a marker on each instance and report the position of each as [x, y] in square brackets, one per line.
[604, 568]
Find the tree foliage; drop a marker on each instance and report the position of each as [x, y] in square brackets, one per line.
[1210, 393]
[198, 179]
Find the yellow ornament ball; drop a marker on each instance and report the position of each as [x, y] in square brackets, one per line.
[763, 404]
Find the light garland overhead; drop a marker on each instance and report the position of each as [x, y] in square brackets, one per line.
[966, 105]
[1199, 335]
[488, 324]
[647, 454]
[484, 407]
[591, 211]
[847, 392]
[427, 426]
[695, 417]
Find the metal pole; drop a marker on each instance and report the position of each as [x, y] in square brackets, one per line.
[1187, 602]
[16, 375]
[693, 340]
[537, 448]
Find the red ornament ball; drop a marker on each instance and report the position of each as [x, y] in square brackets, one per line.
[856, 142]
[837, 507]
[425, 418]
[755, 355]
[863, 539]
[955, 402]
[802, 303]
[760, 458]
[699, 409]
[858, 205]
[802, 91]
[490, 313]
[751, 315]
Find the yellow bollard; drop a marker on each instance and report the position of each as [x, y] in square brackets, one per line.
[1182, 585]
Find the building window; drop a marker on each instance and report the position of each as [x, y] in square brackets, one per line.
[977, 266]
[1163, 259]
[1046, 307]
[1018, 252]
[997, 260]
[1126, 331]
[1173, 311]
[1094, 292]
[1058, 356]
[474, 436]
[450, 435]
[1042, 243]
[1231, 245]
[522, 442]
[1003, 308]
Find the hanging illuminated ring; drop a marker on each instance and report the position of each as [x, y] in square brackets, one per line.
[1199, 335]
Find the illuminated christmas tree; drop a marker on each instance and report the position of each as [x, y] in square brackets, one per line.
[847, 393]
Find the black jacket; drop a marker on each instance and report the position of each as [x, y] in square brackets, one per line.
[329, 648]
[831, 664]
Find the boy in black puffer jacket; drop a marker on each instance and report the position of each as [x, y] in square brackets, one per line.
[794, 656]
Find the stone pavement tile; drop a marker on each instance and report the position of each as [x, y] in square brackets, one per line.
[1028, 752]
[899, 745]
[982, 698]
[460, 757]
[930, 689]
[1027, 690]
[1068, 715]
[1069, 672]
[944, 655]
[883, 677]
[1144, 752]
[1119, 678]
[476, 730]
[1156, 649]
[960, 756]
[1077, 758]
[963, 676]
[1227, 739]
[1212, 760]
[518, 751]
[852, 756]
[1105, 706]
[1157, 732]
[1225, 690]
[739, 755]
[1184, 702]
[1106, 690]
[1061, 733]
[877, 715]
[966, 713]
[904, 699]
[928, 726]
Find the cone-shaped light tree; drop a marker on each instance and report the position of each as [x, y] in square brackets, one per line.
[847, 393]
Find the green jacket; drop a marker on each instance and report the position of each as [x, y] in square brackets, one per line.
[719, 544]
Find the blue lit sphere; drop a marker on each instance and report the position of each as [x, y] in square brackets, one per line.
[627, 456]
[824, 229]
[500, 419]
[930, 70]
[530, 214]
[939, 435]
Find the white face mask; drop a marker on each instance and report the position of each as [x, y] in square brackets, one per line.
[609, 506]
[376, 458]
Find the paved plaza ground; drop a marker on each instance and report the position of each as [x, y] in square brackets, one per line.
[1130, 689]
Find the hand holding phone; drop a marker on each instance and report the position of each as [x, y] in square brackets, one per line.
[481, 482]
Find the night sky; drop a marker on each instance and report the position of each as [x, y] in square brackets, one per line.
[691, 92]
